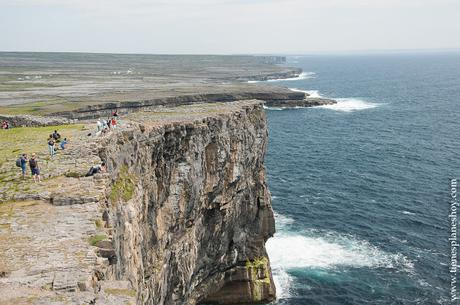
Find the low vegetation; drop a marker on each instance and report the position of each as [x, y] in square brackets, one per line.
[120, 292]
[123, 188]
[93, 240]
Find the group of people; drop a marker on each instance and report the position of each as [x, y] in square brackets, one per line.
[35, 169]
[56, 139]
[104, 126]
[53, 140]
[33, 164]
[6, 125]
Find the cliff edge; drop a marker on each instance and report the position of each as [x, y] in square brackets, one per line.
[190, 206]
[181, 217]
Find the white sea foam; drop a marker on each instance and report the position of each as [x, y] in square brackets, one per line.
[274, 108]
[298, 251]
[311, 93]
[343, 104]
[303, 75]
[313, 250]
[282, 221]
[282, 281]
[349, 105]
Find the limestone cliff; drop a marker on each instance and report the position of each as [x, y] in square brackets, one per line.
[189, 206]
[181, 216]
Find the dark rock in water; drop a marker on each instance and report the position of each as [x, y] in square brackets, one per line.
[306, 102]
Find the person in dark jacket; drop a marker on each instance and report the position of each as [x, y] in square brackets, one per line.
[33, 163]
[100, 168]
[23, 160]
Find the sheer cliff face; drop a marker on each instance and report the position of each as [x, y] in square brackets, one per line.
[190, 208]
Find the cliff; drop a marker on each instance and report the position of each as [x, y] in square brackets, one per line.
[269, 94]
[272, 97]
[190, 207]
[181, 217]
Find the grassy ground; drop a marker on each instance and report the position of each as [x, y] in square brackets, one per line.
[30, 139]
[16, 141]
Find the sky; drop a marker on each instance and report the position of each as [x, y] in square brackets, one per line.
[228, 26]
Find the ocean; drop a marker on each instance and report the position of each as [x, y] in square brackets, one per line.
[361, 189]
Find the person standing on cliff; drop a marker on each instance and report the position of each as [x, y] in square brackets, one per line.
[51, 146]
[33, 163]
[23, 161]
[114, 123]
[99, 125]
[56, 136]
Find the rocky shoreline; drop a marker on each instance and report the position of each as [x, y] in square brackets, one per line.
[272, 98]
[181, 217]
[84, 87]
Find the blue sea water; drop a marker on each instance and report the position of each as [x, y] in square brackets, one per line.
[361, 189]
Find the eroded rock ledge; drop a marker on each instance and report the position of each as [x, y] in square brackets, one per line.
[181, 218]
[272, 96]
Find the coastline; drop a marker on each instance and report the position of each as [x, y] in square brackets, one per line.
[47, 89]
[139, 205]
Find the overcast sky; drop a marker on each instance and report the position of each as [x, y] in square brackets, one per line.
[228, 26]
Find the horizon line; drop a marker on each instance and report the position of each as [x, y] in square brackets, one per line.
[306, 53]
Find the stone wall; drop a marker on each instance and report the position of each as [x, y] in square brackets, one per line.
[32, 121]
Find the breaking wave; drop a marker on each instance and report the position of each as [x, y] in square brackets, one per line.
[290, 250]
[311, 93]
[273, 108]
[303, 75]
[343, 104]
[349, 105]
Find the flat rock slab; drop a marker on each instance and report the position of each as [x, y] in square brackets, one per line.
[45, 248]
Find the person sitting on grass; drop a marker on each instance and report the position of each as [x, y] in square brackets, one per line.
[56, 136]
[100, 168]
[5, 125]
[63, 143]
[33, 163]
